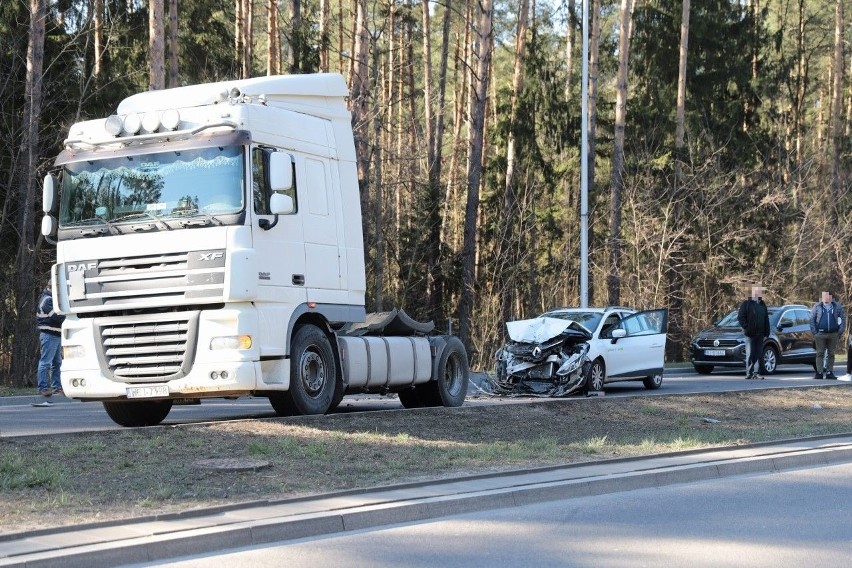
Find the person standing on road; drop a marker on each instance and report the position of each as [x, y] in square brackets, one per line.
[827, 324]
[49, 324]
[753, 317]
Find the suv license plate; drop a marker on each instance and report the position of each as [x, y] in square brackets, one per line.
[714, 352]
[148, 392]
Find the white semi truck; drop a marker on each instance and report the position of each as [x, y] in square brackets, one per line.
[209, 244]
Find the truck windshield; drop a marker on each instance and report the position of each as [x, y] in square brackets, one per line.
[205, 181]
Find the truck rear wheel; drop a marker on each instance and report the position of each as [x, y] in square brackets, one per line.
[450, 385]
[313, 374]
[140, 413]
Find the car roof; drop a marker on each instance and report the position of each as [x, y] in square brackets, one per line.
[594, 309]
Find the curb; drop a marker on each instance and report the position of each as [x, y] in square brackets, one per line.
[263, 523]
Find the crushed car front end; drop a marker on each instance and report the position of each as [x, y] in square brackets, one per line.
[544, 357]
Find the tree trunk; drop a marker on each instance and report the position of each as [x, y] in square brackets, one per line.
[98, 25]
[173, 43]
[836, 120]
[617, 188]
[799, 102]
[27, 287]
[248, 38]
[324, 40]
[476, 134]
[594, 48]
[571, 39]
[273, 53]
[294, 53]
[238, 32]
[507, 249]
[156, 46]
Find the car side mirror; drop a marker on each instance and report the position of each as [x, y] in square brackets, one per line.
[618, 334]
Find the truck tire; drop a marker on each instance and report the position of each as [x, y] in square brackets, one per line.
[410, 398]
[450, 385]
[313, 373]
[141, 413]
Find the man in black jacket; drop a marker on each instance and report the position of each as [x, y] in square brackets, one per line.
[753, 317]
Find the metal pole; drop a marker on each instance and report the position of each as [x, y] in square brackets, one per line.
[584, 166]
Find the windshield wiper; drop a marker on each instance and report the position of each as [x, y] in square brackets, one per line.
[195, 218]
[97, 231]
[147, 214]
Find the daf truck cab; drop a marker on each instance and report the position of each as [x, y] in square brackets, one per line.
[209, 244]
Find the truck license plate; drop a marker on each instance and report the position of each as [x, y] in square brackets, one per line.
[147, 392]
[714, 352]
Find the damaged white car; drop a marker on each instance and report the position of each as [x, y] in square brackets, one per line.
[572, 350]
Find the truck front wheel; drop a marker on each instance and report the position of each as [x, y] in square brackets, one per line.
[140, 413]
[313, 373]
[449, 387]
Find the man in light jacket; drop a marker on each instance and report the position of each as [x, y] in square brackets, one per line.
[827, 324]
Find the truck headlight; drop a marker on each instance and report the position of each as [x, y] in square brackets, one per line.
[241, 342]
[73, 352]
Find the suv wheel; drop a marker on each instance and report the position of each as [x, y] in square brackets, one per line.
[769, 363]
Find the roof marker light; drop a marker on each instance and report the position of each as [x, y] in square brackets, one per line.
[170, 119]
[151, 121]
[132, 123]
[113, 125]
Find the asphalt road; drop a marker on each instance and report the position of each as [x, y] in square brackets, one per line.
[792, 518]
[19, 418]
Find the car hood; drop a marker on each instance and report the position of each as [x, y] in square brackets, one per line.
[719, 333]
[539, 330]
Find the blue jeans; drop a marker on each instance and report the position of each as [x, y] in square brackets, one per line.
[754, 353]
[50, 362]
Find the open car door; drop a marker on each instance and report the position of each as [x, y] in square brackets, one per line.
[641, 351]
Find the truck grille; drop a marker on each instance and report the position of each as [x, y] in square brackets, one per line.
[166, 279]
[153, 348]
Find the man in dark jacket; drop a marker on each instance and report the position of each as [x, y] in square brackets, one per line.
[753, 317]
[49, 324]
[827, 324]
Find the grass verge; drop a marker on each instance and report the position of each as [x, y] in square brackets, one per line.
[74, 478]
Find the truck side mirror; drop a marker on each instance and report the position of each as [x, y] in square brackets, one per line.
[280, 171]
[48, 225]
[49, 192]
[280, 204]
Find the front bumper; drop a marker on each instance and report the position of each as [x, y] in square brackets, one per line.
[718, 356]
[96, 369]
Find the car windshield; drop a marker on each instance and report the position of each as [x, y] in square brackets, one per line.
[731, 320]
[152, 186]
[589, 320]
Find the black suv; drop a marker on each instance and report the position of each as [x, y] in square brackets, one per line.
[723, 345]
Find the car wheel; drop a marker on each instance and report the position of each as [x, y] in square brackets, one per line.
[653, 382]
[769, 363]
[596, 376]
[703, 369]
